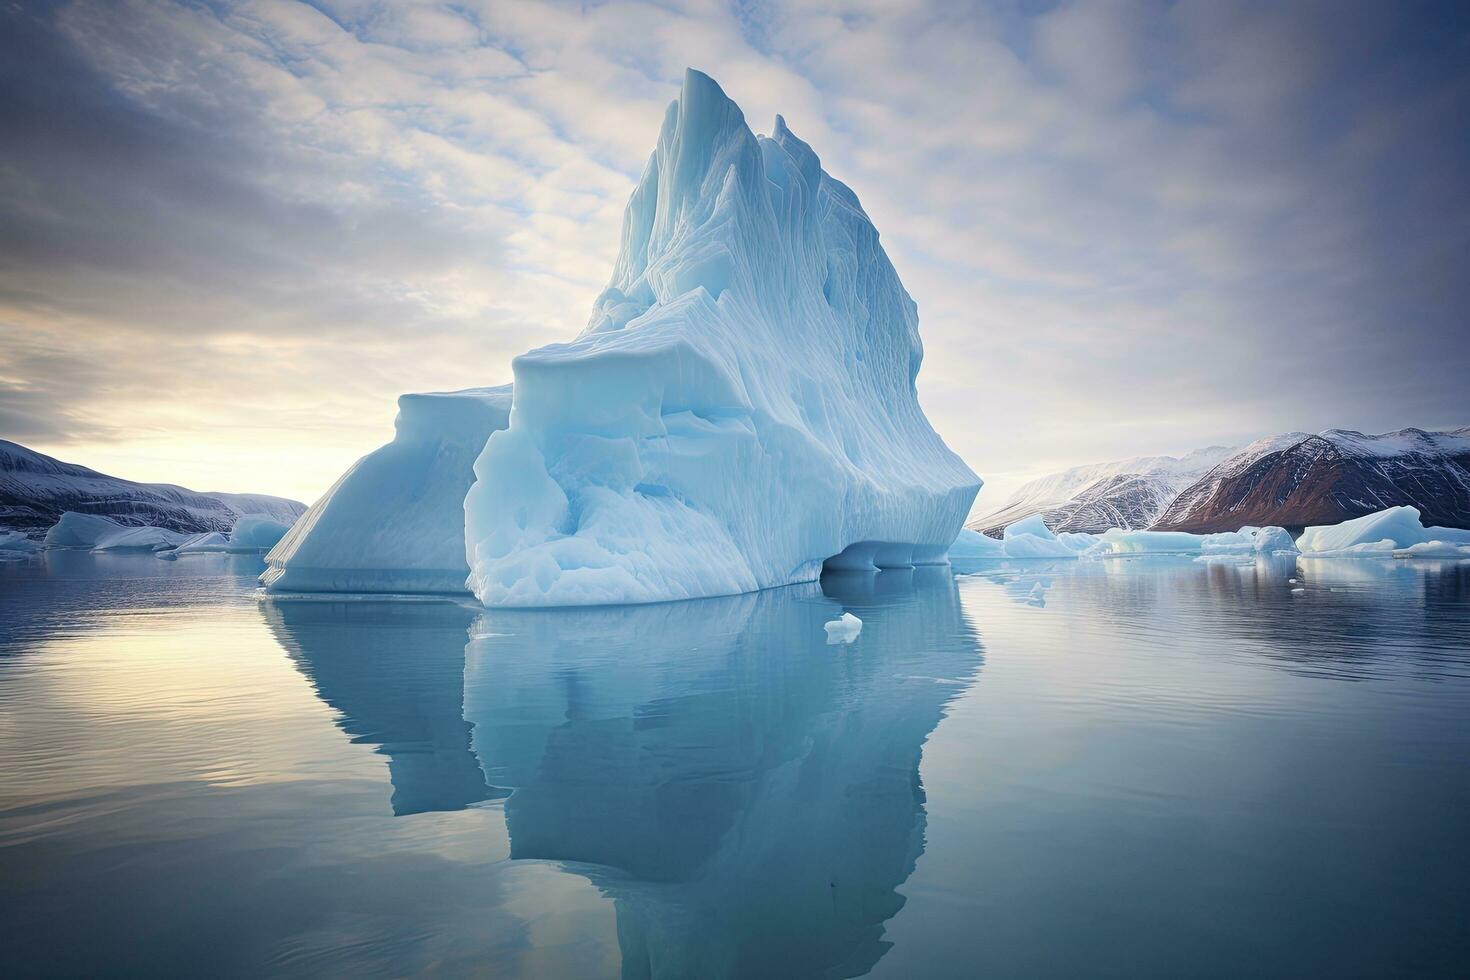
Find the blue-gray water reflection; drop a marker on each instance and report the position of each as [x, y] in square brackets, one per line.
[747, 796]
[1164, 768]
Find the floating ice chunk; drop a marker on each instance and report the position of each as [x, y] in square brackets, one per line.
[395, 521]
[14, 542]
[1384, 534]
[1273, 541]
[210, 542]
[1078, 541]
[1224, 545]
[1116, 542]
[75, 530]
[1033, 526]
[1025, 539]
[1031, 538]
[255, 533]
[1033, 546]
[973, 544]
[1376, 534]
[138, 539]
[1434, 549]
[740, 409]
[844, 629]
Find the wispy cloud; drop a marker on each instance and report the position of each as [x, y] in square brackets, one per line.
[230, 234]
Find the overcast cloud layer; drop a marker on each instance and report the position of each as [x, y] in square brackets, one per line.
[231, 234]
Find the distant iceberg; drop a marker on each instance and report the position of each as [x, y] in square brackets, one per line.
[1395, 532]
[14, 544]
[93, 532]
[1030, 538]
[1245, 543]
[394, 522]
[97, 533]
[256, 533]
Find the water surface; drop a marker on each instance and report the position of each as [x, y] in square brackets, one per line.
[1117, 768]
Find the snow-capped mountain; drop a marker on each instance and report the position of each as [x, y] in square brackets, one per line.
[1293, 480]
[35, 490]
[1126, 493]
[1298, 479]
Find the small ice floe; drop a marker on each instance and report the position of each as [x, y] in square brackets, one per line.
[1294, 591]
[1292, 581]
[844, 629]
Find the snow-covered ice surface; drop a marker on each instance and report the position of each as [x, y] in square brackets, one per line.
[394, 522]
[739, 410]
[1396, 531]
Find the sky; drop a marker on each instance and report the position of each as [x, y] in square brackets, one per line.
[232, 233]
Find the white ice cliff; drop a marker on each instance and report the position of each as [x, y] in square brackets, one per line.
[394, 522]
[740, 409]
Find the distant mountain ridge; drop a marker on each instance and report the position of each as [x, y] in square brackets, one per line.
[1298, 479]
[36, 489]
[1294, 479]
[1127, 493]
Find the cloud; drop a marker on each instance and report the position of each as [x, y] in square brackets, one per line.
[1131, 227]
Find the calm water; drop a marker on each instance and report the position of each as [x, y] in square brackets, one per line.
[1127, 769]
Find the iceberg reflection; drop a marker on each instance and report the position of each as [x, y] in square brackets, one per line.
[395, 671]
[746, 795]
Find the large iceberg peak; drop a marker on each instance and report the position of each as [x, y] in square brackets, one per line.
[741, 406]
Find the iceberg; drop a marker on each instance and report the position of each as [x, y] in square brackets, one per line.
[1273, 541]
[1078, 541]
[256, 533]
[973, 544]
[1028, 538]
[250, 535]
[14, 544]
[1244, 544]
[207, 543]
[74, 530]
[395, 521]
[740, 410]
[1031, 538]
[138, 539]
[1394, 532]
